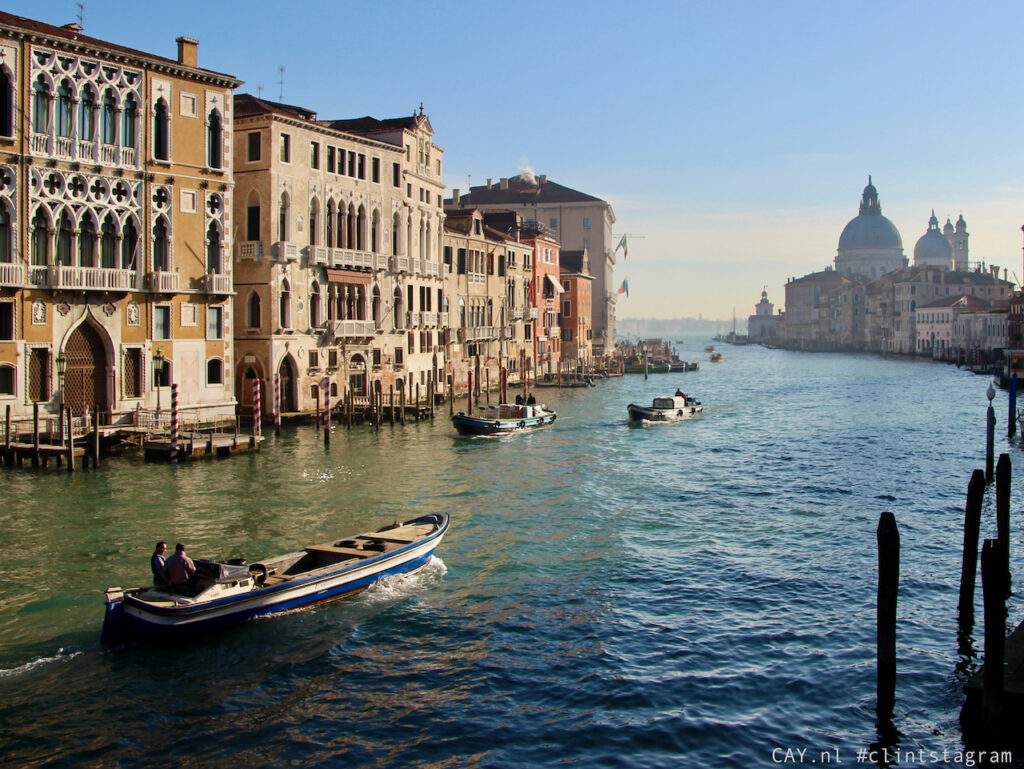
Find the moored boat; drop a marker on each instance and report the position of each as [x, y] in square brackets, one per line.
[505, 419]
[228, 593]
[666, 408]
[651, 368]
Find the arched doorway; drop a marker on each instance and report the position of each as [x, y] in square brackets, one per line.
[85, 380]
[289, 381]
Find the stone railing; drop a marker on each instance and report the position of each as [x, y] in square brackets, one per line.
[286, 251]
[400, 264]
[319, 255]
[350, 259]
[250, 249]
[350, 329]
[11, 274]
[428, 319]
[163, 282]
[93, 278]
[214, 283]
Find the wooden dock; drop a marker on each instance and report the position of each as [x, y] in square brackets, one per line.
[15, 454]
[200, 445]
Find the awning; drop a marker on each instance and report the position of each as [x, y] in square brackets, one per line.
[347, 276]
[554, 284]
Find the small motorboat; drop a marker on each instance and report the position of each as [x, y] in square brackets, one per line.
[231, 592]
[666, 408]
[716, 357]
[505, 419]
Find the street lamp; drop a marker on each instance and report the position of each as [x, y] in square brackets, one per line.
[62, 367]
[158, 375]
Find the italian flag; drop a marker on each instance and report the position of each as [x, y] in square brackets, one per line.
[624, 288]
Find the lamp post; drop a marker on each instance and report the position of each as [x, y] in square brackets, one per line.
[62, 367]
[158, 375]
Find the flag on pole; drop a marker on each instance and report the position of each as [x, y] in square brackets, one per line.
[622, 245]
[624, 288]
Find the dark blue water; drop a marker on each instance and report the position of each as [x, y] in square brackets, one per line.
[696, 594]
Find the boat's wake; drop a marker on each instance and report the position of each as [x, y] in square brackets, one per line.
[401, 586]
[28, 667]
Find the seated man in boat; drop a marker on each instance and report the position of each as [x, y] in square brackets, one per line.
[179, 571]
[156, 563]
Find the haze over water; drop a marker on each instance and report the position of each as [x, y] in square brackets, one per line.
[682, 595]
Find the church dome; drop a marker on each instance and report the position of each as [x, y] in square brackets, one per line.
[870, 230]
[933, 248]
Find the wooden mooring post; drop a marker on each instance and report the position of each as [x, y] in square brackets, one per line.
[7, 427]
[888, 589]
[993, 586]
[1011, 415]
[401, 401]
[1003, 475]
[451, 395]
[35, 434]
[469, 394]
[990, 433]
[95, 439]
[70, 439]
[968, 571]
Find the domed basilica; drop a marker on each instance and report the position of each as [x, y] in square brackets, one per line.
[870, 245]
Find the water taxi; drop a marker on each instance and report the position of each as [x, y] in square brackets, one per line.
[231, 592]
[505, 419]
[667, 408]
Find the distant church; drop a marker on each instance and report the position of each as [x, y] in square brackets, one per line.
[870, 245]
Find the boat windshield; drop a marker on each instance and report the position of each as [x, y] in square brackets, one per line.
[221, 572]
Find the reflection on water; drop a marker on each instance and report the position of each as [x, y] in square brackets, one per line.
[694, 594]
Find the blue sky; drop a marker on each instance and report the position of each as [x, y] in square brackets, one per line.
[736, 137]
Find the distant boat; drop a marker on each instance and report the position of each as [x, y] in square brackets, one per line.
[229, 593]
[716, 357]
[709, 348]
[651, 368]
[668, 408]
[504, 419]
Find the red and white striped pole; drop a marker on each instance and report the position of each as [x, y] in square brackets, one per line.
[277, 404]
[327, 411]
[174, 422]
[257, 409]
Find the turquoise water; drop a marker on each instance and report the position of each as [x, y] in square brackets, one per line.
[698, 593]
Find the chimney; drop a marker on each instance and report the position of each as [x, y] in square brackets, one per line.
[489, 184]
[74, 27]
[542, 179]
[503, 184]
[188, 51]
[455, 197]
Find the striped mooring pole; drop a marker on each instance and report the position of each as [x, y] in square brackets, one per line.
[257, 408]
[327, 412]
[174, 422]
[277, 404]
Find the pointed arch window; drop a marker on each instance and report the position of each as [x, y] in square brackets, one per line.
[41, 106]
[375, 231]
[87, 115]
[6, 103]
[361, 229]
[396, 228]
[40, 240]
[161, 131]
[161, 249]
[214, 141]
[64, 109]
[282, 220]
[129, 245]
[87, 243]
[64, 240]
[312, 222]
[252, 314]
[329, 221]
[5, 235]
[129, 135]
[285, 305]
[314, 305]
[108, 243]
[109, 118]
[213, 262]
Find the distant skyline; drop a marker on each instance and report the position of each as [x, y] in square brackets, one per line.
[736, 137]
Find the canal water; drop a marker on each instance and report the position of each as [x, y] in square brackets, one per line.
[696, 594]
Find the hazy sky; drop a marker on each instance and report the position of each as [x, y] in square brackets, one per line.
[736, 137]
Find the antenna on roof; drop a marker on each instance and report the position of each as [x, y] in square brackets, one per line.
[81, 14]
[259, 90]
[280, 83]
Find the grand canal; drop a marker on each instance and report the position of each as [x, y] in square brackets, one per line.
[697, 594]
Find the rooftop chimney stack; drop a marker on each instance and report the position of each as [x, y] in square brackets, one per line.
[455, 197]
[542, 179]
[503, 184]
[188, 51]
[489, 184]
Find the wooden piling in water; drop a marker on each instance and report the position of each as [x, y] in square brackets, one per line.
[417, 401]
[968, 571]
[1003, 476]
[451, 395]
[7, 427]
[888, 536]
[1011, 416]
[401, 402]
[95, 439]
[35, 434]
[990, 433]
[70, 441]
[994, 591]
[469, 394]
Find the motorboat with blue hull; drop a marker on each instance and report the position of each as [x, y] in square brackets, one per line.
[666, 408]
[505, 419]
[230, 593]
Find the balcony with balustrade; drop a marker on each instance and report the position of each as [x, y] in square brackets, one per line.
[350, 330]
[413, 319]
[400, 264]
[12, 274]
[517, 313]
[214, 283]
[442, 318]
[318, 255]
[430, 269]
[428, 319]
[162, 282]
[533, 314]
[350, 259]
[380, 261]
[86, 278]
[285, 251]
[250, 249]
